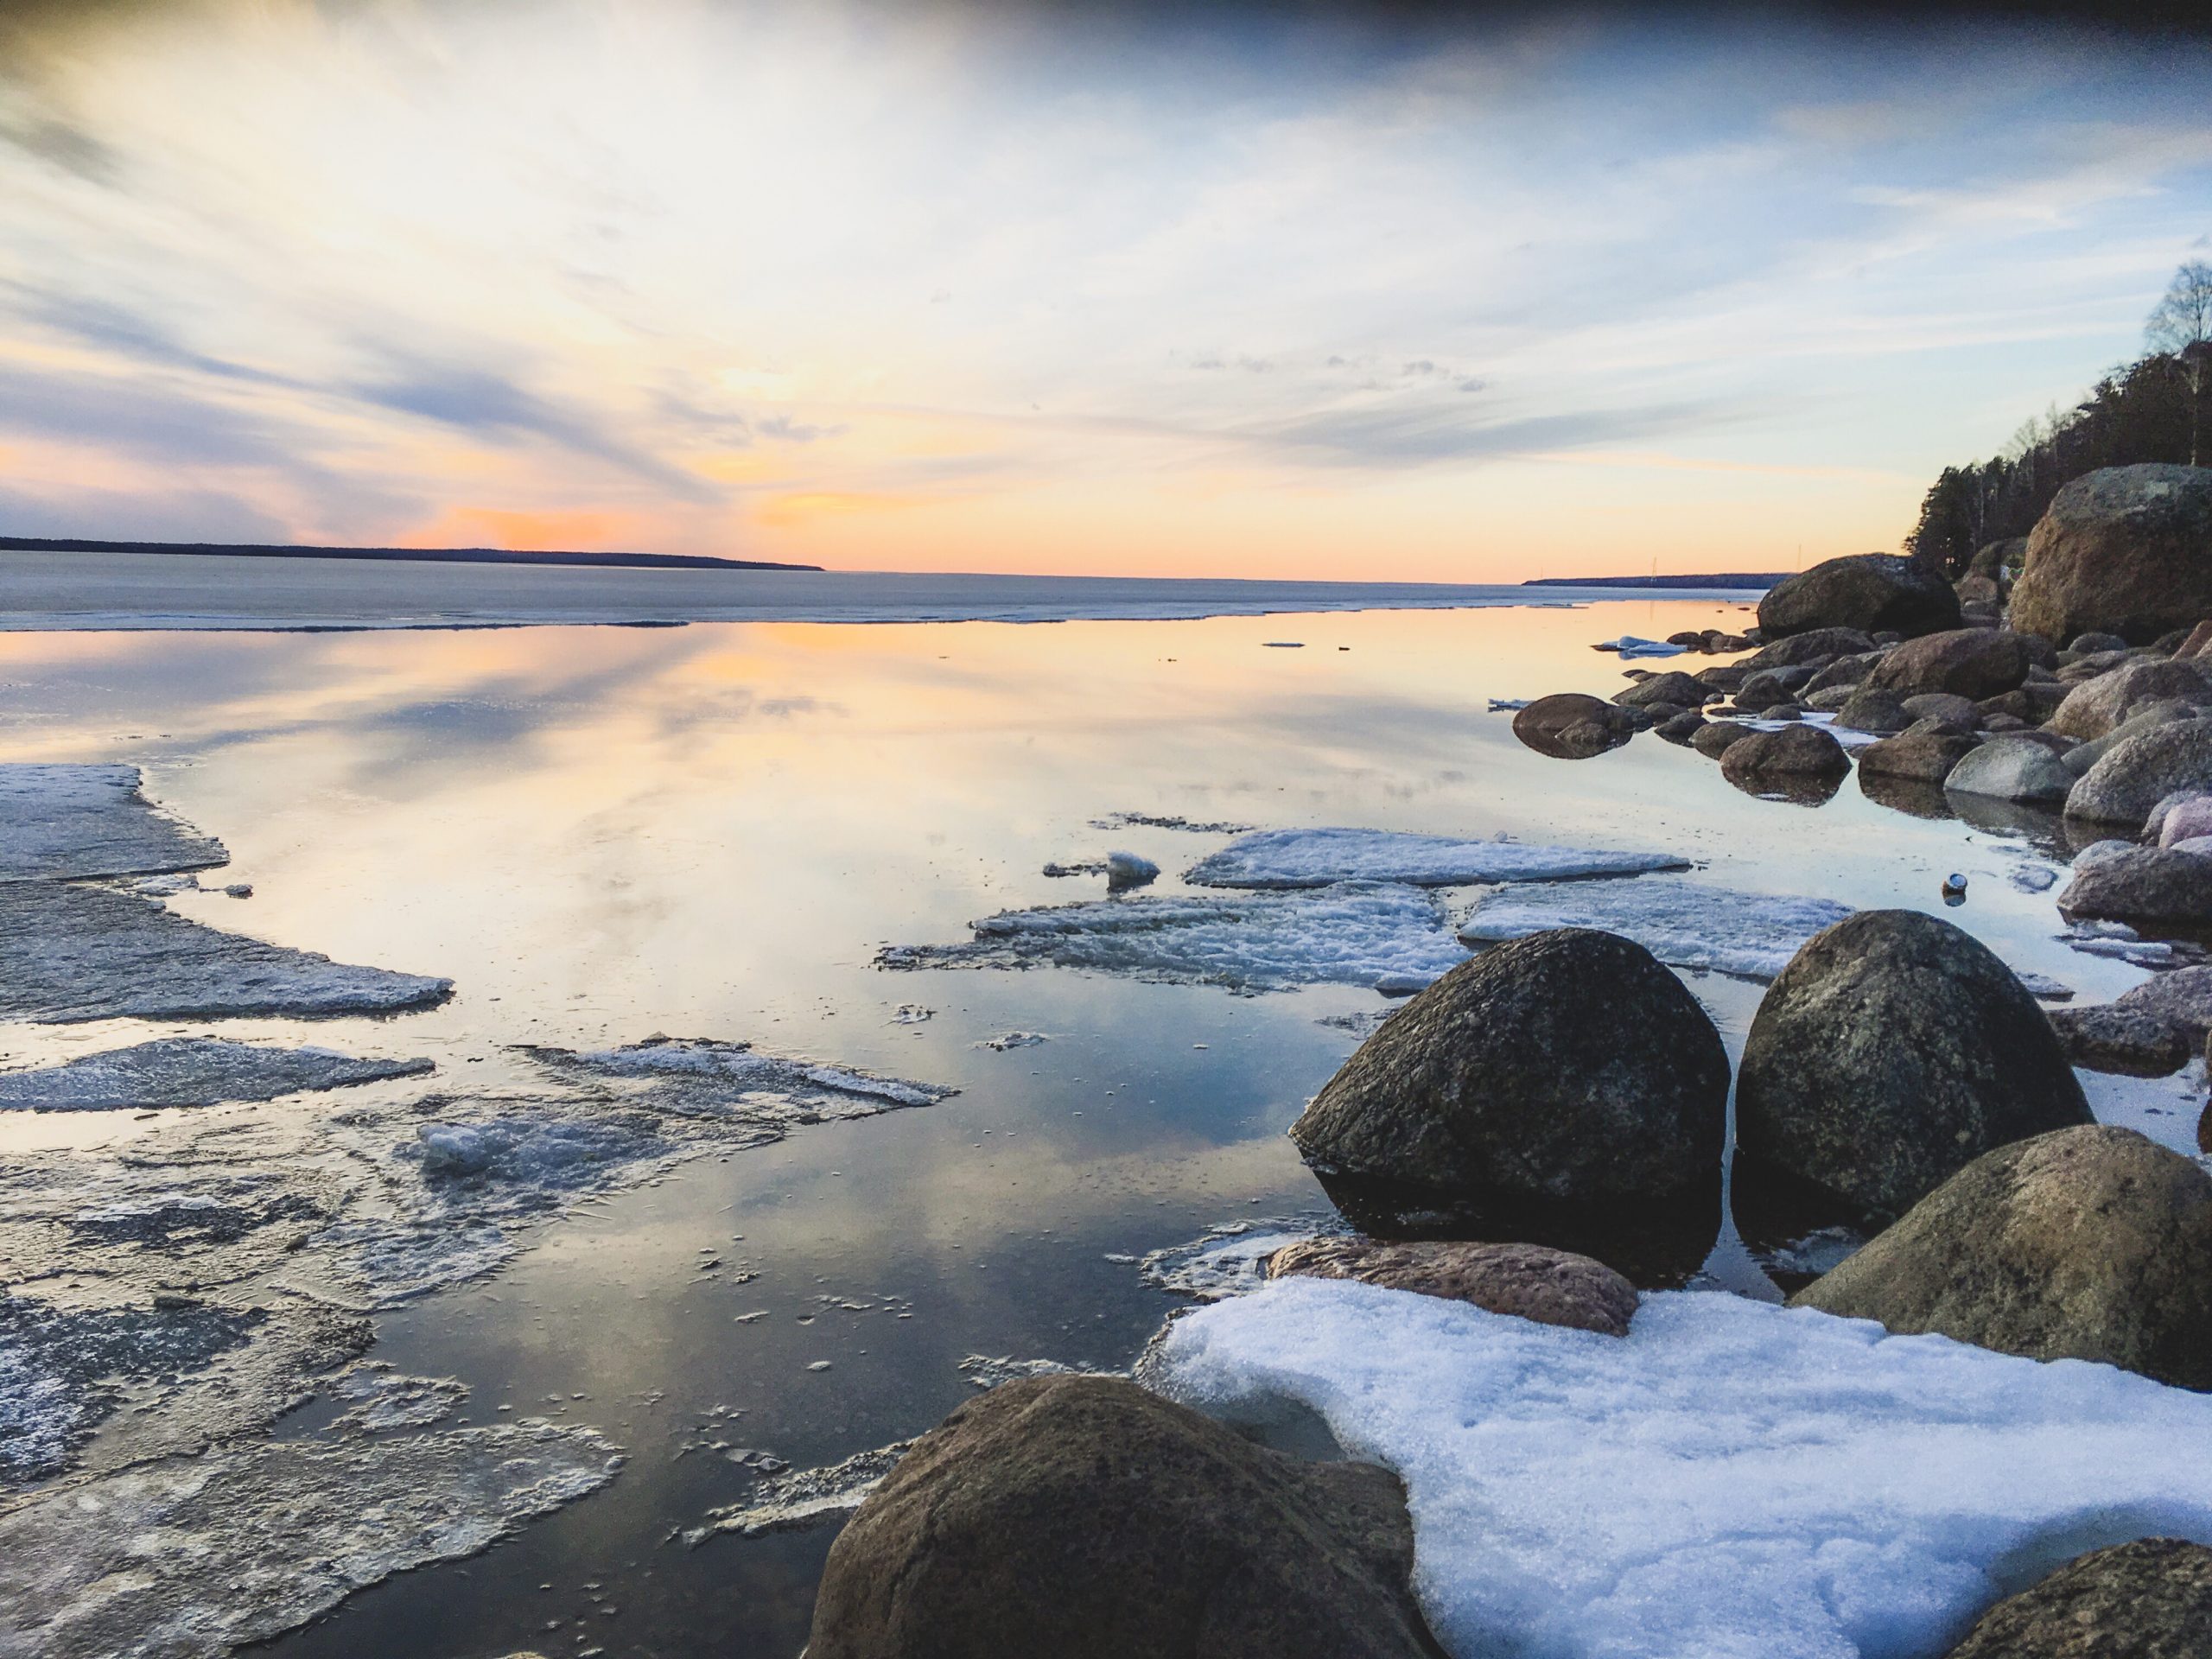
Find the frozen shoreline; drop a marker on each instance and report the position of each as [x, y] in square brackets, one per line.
[43, 592]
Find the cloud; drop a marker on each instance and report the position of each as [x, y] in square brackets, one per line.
[1428, 434]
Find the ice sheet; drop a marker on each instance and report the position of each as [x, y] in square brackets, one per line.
[1732, 1480]
[1279, 859]
[190, 1071]
[68, 822]
[1684, 924]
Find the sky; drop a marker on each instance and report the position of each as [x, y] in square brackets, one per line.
[984, 287]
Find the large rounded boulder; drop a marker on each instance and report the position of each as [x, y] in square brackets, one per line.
[1891, 1052]
[1800, 751]
[1087, 1518]
[1573, 726]
[1970, 663]
[2155, 889]
[2125, 550]
[2012, 769]
[2148, 1599]
[2092, 1242]
[2139, 772]
[2095, 706]
[1875, 592]
[1568, 1067]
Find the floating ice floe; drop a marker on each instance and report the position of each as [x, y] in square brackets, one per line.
[804, 1497]
[191, 1557]
[1684, 924]
[1850, 737]
[1010, 1040]
[65, 822]
[1277, 859]
[191, 1071]
[2123, 943]
[1629, 646]
[1355, 933]
[1230, 1260]
[1732, 1480]
[1168, 821]
[79, 953]
[704, 1077]
[382, 1398]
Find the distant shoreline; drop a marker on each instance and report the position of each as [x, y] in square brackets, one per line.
[402, 555]
[1727, 579]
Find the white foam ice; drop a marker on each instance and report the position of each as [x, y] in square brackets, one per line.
[1732, 1480]
[65, 822]
[1230, 1260]
[1684, 924]
[1280, 859]
[1630, 645]
[702, 1076]
[190, 1071]
[1355, 933]
[1849, 736]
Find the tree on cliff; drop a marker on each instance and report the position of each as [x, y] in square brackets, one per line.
[2181, 327]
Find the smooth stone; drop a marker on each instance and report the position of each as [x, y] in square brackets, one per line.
[2012, 768]
[1570, 726]
[1879, 712]
[2187, 820]
[1531, 1281]
[2148, 1599]
[1942, 705]
[2154, 888]
[1867, 591]
[2129, 1042]
[2140, 770]
[1800, 749]
[1673, 686]
[1715, 738]
[1815, 646]
[1925, 757]
[1973, 662]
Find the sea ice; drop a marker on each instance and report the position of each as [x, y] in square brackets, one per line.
[63, 822]
[190, 1071]
[192, 1557]
[1230, 1260]
[1684, 924]
[1007, 1040]
[93, 953]
[1732, 1480]
[1355, 933]
[1629, 646]
[1274, 859]
[699, 1077]
[1168, 821]
[804, 1497]
[382, 1398]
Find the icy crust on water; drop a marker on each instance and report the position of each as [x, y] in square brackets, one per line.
[191, 1557]
[1278, 859]
[1733, 1480]
[92, 953]
[62, 822]
[1684, 924]
[804, 1498]
[1356, 933]
[191, 1071]
[1230, 1260]
[703, 1078]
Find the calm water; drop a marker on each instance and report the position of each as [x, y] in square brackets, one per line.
[600, 834]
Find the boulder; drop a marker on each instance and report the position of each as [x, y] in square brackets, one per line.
[1723, 677]
[2124, 551]
[2016, 768]
[1971, 663]
[1844, 671]
[1832, 700]
[1532, 1282]
[1716, 737]
[1997, 561]
[1794, 749]
[1682, 727]
[2030, 704]
[2148, 1599]
[1568, 725]
[2165, 712]
[2187, 819]
[2092, 1242]
[1941, 705]
[1673, 686]
[1088, 1518]
[2157, 890]
[2130, 1042]
[1816, 647]
[2195, 642]
[1892, 1050]
[2093, 643]
[1866, 591]
[1926, 757]
[1873, 711]
[1565, 1067]
[2182, 999]
[1769, 686]
[2138, 773]
[1977, 591]
[2095, 706]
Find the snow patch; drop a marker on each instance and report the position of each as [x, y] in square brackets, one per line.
[1277, 859]
[1733, 1480]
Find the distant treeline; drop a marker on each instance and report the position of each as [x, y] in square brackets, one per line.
[415, 555]
[2150, 409]
[1727, 579]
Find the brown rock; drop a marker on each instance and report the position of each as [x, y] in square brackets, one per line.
[2124, 551]
[1569, 726]
[1532, 1282]
[2129, 1042]
[1925, 756]
[1794, 749]
[2150, 1599]
[1973, 662]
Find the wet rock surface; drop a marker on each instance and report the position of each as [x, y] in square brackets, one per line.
[1085, 1515]
[2152, 889]
[2149, 1600]
[1893, 1050]
[1569, 726]
[1531, 1281]
[1921, 757]
[1794, 750]
[2091, 1243]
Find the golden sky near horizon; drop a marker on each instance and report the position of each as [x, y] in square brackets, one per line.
[991, 289]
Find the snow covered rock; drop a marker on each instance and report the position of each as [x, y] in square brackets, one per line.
[1284, 859]
[2085, 1243]
[1531, 1281]
[1733, 1481]
[1085, 1517]
[1355, 933]
[1125, 871]
[1684, 924]
[190, 1071]
[1567, 1067]
[1893, 1050]
[89, 953]
[2149, 1600]
[65, 822]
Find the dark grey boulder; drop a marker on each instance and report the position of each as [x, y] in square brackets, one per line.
[1569, 726]
[2138, 773]
[1682, 727]
[2092, 643]
[1530, 1282]
[2095, 706]
[2129, 1042]
[1830, 701]
[1867, 591]
[1973, 662]
[2091, 1243]
[1815, 647]
[1565, 1067]
[2030, 704]
[1892, 1050]
[2148, 1599]
[1925, 757]
[2081, 756]
[2015, 768]
[2183, 998]
[1769, 686]
[1802, 750]
[2124, 551]
[1673, 686]
[1873, 711]
[1088, 1518]
[1716, 737]
[1844, 671]
[2153, 889]
[1942, 705]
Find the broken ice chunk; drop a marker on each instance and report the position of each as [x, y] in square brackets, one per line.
[1684, 924]
[1317, 858]
[63, 822]
[1126, 870]
[190, 1071]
